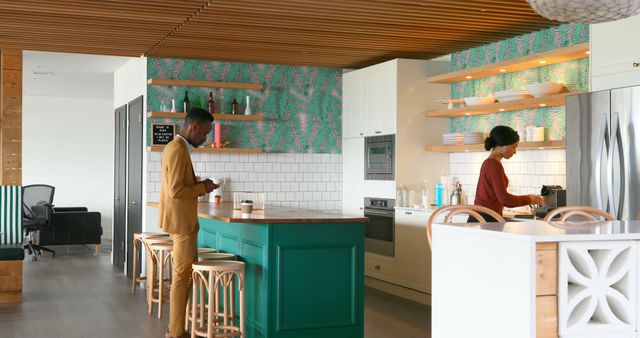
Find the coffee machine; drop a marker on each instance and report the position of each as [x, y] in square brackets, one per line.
[553, 196]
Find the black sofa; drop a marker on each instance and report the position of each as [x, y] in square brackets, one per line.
[70, 226]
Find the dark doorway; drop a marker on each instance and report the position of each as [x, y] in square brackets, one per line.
[119, 188]
[134, 174]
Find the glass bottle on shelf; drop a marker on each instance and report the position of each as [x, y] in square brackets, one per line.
[247, 109]
[197, 102]
[186, 104]
[425, 195]
[234, 107]
[400, 195]
[211, 104]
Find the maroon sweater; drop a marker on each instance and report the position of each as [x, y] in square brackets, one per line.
[492, 188]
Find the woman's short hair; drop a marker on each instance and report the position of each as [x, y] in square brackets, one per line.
[501, 136]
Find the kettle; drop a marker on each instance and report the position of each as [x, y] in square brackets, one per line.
[457, 196]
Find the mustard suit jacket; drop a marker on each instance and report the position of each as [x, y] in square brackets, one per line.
[178, 212]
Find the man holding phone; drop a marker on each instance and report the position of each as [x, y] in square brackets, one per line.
[178, 211]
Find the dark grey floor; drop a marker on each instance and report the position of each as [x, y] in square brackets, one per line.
[80, 295]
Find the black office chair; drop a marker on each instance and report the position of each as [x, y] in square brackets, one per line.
[36, 215]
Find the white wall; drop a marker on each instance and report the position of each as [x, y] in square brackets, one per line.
[130, 81]
[68, 143]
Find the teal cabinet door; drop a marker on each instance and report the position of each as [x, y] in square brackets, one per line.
[301, 280]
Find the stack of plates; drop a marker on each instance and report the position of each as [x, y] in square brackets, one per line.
[452, 139]
[512, 95]
[473, 138]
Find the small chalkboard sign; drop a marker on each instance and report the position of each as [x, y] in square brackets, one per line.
[162, 133]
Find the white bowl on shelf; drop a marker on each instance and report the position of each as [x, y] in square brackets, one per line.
[479, 100]
[512, 95]
[546, 88]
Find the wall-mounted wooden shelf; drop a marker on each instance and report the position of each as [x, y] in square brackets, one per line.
[180, 115]
[531, 103]
[214, 150]
[525, 62]
[480, 147]
[193, 83]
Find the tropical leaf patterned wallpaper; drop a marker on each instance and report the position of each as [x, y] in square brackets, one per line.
[302, 105]
[574, 74]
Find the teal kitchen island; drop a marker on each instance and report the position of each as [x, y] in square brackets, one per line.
[304, 269]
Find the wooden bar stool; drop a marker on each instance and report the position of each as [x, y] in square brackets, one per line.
[205, 257]
[205, 250]
[216, 256]
[218, 279]
[158, 264]
[138, 238]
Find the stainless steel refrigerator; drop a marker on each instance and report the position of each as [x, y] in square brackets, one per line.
[603, 150]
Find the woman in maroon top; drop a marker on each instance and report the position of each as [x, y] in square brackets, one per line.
[492, 183]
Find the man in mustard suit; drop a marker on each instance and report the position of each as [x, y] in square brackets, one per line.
[178, 209]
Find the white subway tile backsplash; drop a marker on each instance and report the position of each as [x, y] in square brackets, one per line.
[527, 171]
[312, 181]
[313, 186]
[290, 157]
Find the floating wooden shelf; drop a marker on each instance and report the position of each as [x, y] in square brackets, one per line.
[536, 102]
[480, 147]
[193, 83]
[214, 150]
[178, 115]
[529, 61]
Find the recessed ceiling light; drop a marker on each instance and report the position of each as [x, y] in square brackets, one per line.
[467, 114]
[469, 77]
[543, 105]
[542, 62]
[502, 70]
[588, 52]
[501, 109]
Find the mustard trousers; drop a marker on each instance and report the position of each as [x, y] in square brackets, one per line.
[184, 254]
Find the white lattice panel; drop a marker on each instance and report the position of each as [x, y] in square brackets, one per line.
[598, 289]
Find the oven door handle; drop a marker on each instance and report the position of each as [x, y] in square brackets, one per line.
[379, 213]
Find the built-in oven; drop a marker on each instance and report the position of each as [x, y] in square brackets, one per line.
[379, 233]
[379, 157]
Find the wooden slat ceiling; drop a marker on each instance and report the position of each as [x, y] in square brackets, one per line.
[337, 33]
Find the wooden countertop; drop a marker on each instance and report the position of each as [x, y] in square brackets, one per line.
[272, 214]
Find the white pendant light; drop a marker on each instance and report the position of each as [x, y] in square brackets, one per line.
[585, 11]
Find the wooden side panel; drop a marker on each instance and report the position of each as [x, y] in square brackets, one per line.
[10, 281]
[546, 272]
[546, 317]
[10, 117]
[547, 290]
[10, 297]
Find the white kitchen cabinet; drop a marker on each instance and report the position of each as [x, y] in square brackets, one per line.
[353, 102]
[380, 99]
[614, 56]
[379, 267]
[353, 175]
[413, 255]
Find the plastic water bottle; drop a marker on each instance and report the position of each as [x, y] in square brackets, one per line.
[438, 195]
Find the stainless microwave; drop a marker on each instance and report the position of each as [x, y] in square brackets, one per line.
[379, 159]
